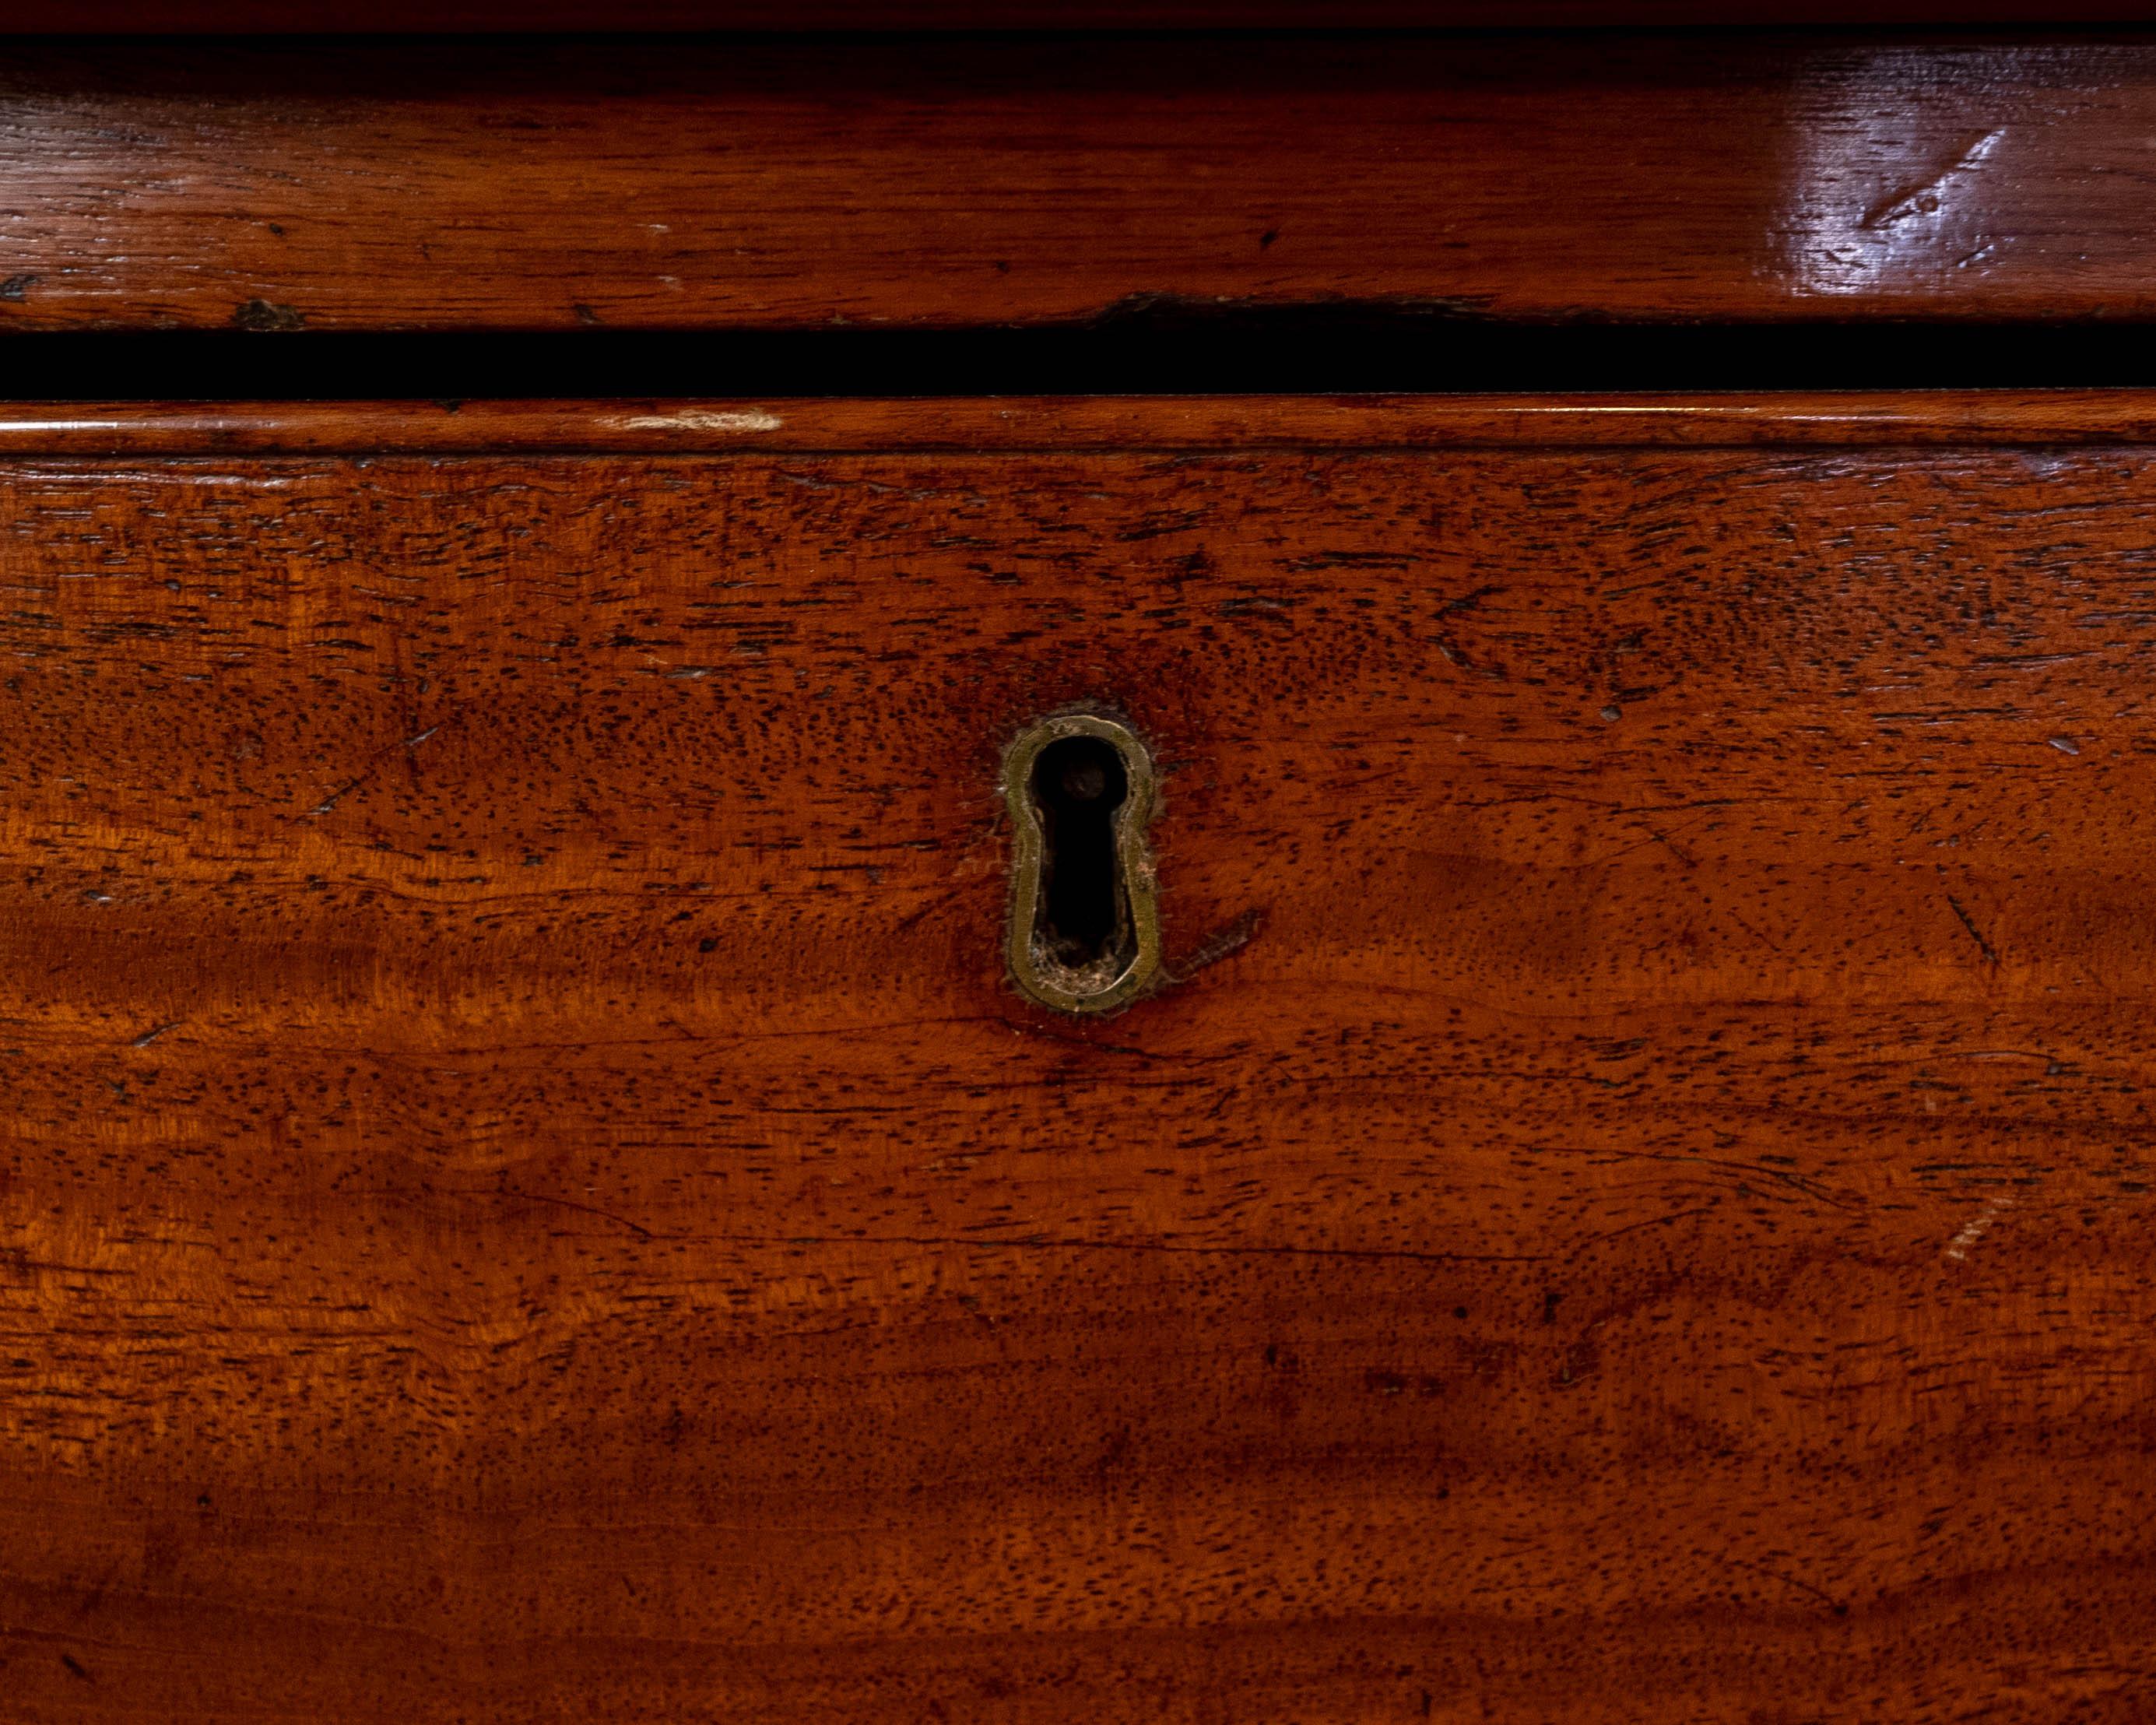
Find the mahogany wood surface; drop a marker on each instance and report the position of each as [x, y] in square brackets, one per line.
[959, 183]
[527, 1195]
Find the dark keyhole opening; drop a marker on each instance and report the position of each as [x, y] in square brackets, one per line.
[1079, 783]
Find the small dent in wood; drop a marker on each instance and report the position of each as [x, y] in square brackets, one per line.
[264, 315]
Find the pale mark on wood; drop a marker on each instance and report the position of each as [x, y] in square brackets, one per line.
[704, 419]
[1926, 198]
[1222, 944]
[1975, 1229]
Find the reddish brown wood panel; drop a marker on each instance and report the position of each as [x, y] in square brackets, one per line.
[526, 1194]
[795, 184]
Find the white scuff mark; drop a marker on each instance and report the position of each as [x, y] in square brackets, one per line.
[1926, 198]
[704, 419]
[1870, 204]
[1974, 1230]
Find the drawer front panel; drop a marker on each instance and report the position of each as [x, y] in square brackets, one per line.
[529, 1192]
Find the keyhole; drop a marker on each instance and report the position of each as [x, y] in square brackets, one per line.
[1084, 933]
[1078, 783]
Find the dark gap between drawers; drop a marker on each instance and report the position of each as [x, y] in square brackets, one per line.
[1150, 349]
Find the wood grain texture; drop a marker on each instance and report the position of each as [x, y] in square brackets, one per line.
[945, 184]
[528, 1196]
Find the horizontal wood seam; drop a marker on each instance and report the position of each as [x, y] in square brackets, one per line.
[1163, 425]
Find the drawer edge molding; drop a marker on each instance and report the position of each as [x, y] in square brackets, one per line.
[1856, 419]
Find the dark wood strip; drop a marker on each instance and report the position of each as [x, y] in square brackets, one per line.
[439, 16]
[766, 184]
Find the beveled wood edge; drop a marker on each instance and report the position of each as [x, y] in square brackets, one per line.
[1166, 423]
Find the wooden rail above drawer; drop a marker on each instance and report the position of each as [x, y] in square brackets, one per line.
[952, 184]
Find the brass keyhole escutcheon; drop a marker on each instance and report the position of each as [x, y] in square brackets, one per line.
[1085, 929]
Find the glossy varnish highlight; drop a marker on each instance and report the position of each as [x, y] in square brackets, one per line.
[957, 183]
[528, 1192]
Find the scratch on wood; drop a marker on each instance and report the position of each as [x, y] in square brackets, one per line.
[704, 419]
[1593, 1240]
[1975, 1230]
[1976, 934]
[1222, 944]
[1925, 198]
[1797, 1582]
[329, 802]
[588, 1210]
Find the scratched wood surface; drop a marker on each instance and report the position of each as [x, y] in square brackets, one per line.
[526, 1195]
[946, 184]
